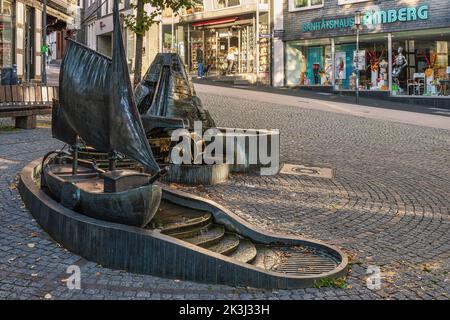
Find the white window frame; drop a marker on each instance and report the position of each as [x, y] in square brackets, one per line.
[292, 7]
[224, 8]
[344, 2]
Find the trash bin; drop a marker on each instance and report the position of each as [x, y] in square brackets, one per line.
[9, 76]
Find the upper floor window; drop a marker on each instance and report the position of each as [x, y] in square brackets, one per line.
[350, 1]
[5, 7]
[220, 4]
[304, 4]
[197, 7]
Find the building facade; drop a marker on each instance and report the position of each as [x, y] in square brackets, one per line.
[404, 45]
[220, 28]
[21, 38]
[98, 32]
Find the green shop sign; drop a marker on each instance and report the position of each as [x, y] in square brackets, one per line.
[371, 18]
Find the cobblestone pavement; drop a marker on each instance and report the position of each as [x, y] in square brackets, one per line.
[388, 205]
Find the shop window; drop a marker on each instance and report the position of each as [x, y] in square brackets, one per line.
[6, 34]
[426, 71]
[374, 67]
[220, 4]
[342, 2]
[295, 5]
[308, 65]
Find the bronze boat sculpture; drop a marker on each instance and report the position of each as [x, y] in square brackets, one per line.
[97, 107]
[103, 215]
[166, 98]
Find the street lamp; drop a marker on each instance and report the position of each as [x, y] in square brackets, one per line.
[356, 58]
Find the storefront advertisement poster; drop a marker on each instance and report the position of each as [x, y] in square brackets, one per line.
[340, 66]
[359, 60]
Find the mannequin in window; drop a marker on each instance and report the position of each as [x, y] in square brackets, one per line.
[399, 64]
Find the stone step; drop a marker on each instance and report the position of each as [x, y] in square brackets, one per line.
[207, 236]
[241, 82]
[266, 258]
[246, 251]
[173, 219]
[227, 245]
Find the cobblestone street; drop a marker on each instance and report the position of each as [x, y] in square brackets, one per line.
[388, 204]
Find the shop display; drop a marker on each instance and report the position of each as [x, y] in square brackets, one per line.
[210, 51]
[263, 49]
[382, 83]
[247, 47]
[194, 47]
[340, 66]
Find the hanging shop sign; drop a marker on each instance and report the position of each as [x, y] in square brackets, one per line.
[371, 18]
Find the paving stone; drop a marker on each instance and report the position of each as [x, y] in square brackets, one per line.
[388, 205]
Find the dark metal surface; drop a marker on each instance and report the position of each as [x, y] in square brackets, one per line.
[166, 91]
[145, 251]
[84, 193]
[97, 102]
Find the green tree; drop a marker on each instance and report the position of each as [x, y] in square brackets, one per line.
[140, 22]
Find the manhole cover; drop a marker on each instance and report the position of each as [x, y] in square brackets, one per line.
[302, 170]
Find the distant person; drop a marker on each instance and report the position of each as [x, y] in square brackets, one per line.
[49, 55]
[200, 63]
[231, 57]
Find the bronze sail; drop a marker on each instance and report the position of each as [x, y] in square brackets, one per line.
[97, 102]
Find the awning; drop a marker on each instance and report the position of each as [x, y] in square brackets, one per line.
[215, 21]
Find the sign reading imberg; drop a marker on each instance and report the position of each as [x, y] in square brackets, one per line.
[371, 18]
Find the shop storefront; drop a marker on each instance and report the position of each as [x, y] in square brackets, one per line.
[218, 38]
[233, 36]
[403, 49]
[21, 36]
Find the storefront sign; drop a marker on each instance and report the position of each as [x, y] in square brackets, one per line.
[374, 17]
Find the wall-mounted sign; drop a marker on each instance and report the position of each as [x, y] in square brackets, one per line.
[371, 18]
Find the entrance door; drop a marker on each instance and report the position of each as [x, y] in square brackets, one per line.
[29, 44]
[222, 64]
[235, 45]
[315, 64]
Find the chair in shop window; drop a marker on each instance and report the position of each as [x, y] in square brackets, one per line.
[417, 84]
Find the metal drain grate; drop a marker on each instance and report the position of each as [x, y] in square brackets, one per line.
[301, 170]
[300, 264]
[295, 261]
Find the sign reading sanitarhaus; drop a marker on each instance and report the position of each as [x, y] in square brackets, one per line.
[337, 19]
[371, 17]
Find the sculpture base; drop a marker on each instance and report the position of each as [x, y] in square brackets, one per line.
[152, 252]
[202, 174]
